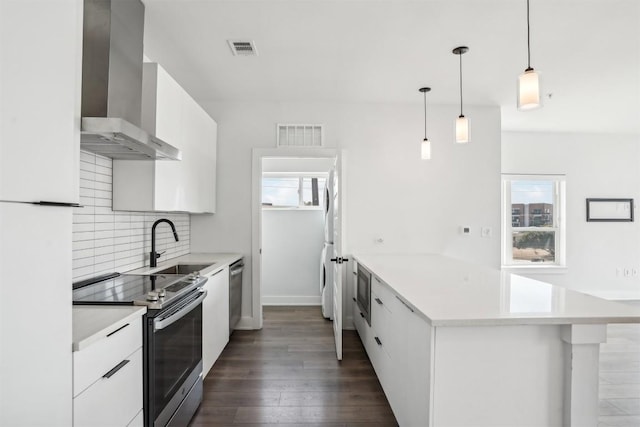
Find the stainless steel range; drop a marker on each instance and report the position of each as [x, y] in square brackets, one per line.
[172, 337]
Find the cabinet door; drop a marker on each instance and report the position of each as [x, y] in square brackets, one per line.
[171, 103]
[414, 369]
[112, 401]
[206, 162]
[215, 318]
[41, 57]
[35, 260]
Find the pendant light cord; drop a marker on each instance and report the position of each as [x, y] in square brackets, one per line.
[425, 115]
[528, 41]
[460, 55]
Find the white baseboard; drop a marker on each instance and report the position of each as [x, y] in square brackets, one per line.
[291, 300]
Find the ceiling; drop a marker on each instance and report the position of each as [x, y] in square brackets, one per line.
[587, 53]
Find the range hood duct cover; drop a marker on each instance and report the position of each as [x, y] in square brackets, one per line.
[113, 34]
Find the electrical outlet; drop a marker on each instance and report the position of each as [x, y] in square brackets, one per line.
[486, 232]
[627, 272]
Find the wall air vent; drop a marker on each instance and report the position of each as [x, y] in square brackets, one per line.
[243, 47]
[300, 135]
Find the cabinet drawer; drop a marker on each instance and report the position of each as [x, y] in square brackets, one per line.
[91, 363]
[113, 401]
[382, 293]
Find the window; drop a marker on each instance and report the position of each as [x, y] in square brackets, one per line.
[535, 235]
[293, 191]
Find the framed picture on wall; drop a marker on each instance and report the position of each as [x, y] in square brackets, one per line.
[610, 210]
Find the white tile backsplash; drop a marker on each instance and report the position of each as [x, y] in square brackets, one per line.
[104, 240]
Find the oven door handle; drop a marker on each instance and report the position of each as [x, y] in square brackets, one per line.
[162, 323]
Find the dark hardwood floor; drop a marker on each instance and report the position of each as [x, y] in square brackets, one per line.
[287, 374]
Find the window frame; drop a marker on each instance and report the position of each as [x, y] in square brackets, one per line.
[301, 176]
[559, 222]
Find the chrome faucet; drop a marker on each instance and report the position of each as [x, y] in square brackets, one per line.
[153, 256]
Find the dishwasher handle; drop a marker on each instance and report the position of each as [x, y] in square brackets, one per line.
[236, 269]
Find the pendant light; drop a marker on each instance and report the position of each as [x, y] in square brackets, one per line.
[528, 82]
[425, 147]
[462, 123]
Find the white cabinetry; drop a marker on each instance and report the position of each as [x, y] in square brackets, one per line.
[188, 185]
[39, 132]
[107, 379]
[40, 57]
[215, 318]
[398, 343]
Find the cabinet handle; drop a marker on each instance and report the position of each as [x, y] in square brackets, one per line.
[378, 340]
[216, 273]
[404, 303]
[378, 301]
[361, 315]
[355, 273]
[118, 330]
[116, 369]
[354, 299]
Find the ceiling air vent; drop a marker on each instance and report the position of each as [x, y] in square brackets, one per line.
[300, 135]
[243, 47]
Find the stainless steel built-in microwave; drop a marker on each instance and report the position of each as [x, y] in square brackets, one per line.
[363, 297]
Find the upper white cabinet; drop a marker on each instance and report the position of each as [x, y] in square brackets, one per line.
[188, 185]
[40, 104]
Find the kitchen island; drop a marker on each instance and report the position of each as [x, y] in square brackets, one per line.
[455, 343]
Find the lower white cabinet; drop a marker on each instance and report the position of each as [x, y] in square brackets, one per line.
[398, 343]
[108, 379]
[215, 318]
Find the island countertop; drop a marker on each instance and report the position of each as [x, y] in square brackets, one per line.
[451, 292]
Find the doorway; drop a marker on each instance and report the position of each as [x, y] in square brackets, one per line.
[259, 157]
[294, 219]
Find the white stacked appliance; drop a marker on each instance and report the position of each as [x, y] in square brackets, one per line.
[326, 265]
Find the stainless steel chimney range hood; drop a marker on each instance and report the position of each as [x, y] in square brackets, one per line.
[112, 55]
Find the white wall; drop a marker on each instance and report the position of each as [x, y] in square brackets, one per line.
[291, 249]
[304, 165]
[414, 205]
[605, 166]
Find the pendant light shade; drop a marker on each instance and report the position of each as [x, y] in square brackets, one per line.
[529, 90]
[529, 82]
[462, 123]
[462, 130]
[425, 147]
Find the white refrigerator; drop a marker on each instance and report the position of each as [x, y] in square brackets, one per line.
[41, 54]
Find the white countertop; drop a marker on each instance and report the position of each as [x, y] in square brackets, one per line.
[450, 292]
[216, 261]
[93, 322]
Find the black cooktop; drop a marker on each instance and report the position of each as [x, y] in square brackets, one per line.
[126, 289]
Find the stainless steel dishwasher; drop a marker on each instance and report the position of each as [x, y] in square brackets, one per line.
[235, 294]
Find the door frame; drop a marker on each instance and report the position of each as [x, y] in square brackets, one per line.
[256, 213]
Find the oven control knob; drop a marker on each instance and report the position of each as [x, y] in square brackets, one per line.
[152, 296]
[162, 293]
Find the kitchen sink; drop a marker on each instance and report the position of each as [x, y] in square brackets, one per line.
[183, 268]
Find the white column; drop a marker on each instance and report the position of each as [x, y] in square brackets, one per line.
[581, 373]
